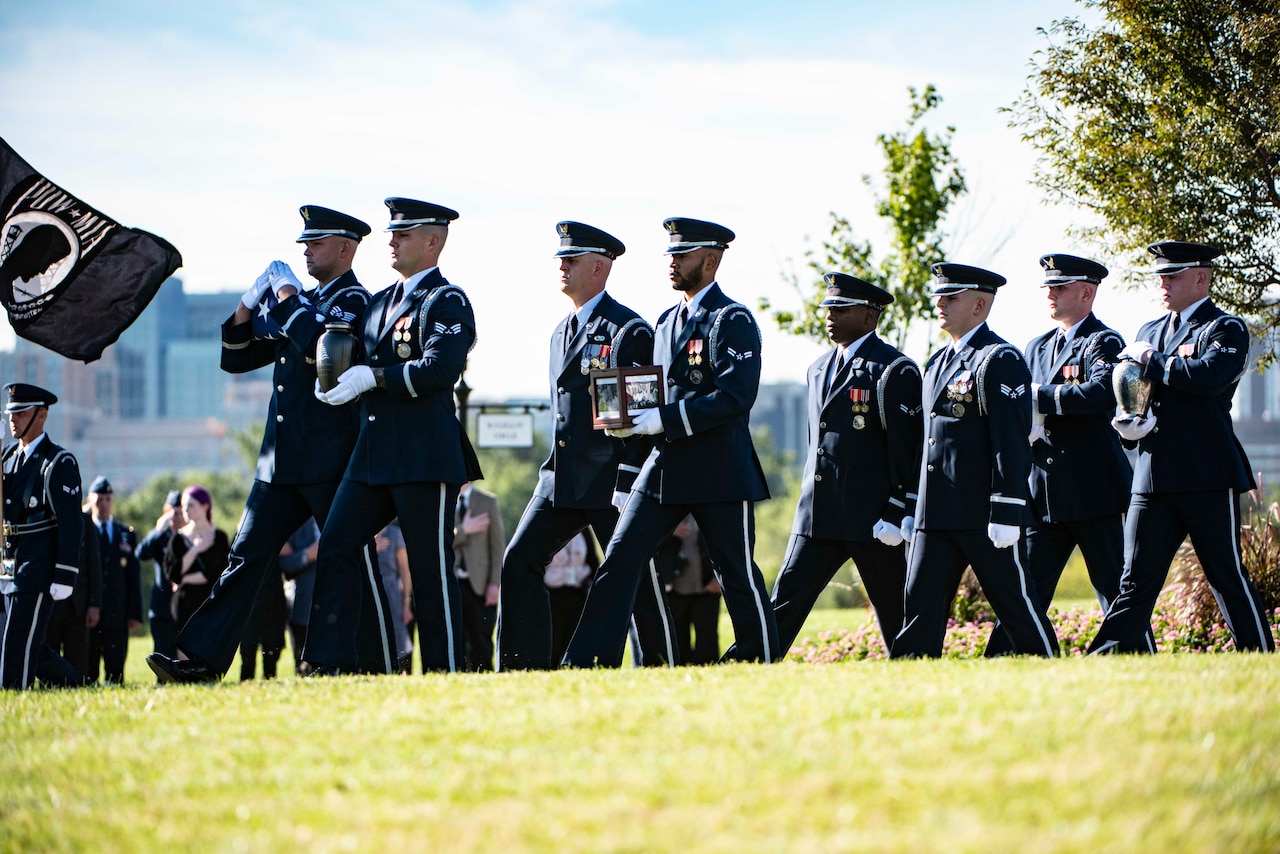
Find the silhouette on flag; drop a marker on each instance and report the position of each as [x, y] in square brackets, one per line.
[71, 278]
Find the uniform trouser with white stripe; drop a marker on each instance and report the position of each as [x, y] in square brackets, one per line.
[360, 511]
[811, 563]
[1154, 528]
[728, 529]
[937, 560]
[26, 619]
[524, 617]
[272, 513]
[1049, 547]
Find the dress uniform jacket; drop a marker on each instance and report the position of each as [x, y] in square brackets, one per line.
[42, 497]
[705, 453]
[586, 466]
[305, 441]
[863, 464]
[1194, 446]
[121, 577]
[409, 431]
[1079, 471]
[976, 456]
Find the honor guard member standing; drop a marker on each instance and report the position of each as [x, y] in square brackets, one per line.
[703, 464]
[860, 475]
[1190, 467]
[1079, 474]
[121, 586]
[411, 456]
[42, 527]
[305, 447]
[972, 499]
[588, 474]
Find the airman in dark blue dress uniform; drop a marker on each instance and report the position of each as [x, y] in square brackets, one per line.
[587, 470]
[703, 464]
[42, 532]
[863, 464]
[305, 447]
[1080, 476]
[121, 586]
[411, 456]
[1190, 468]
[972, 501]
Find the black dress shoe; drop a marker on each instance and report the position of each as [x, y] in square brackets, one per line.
[322, 670]
[184, 671]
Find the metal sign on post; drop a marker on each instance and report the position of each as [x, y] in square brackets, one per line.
[504, 430]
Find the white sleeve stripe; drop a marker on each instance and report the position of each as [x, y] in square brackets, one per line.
[635, 469]
[412, 391]
[684, 419]
[291, 319]
[896, 503]
[1000, 499]
[1057, 399]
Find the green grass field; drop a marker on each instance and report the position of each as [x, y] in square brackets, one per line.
[1172, 753]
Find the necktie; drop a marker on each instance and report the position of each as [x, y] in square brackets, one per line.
[1170, 329]
[682, 318]
[396, 296]
[836, 368]
[571, 331]
[1059, 341]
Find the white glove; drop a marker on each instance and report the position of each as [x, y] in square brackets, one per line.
[887, 533]
[282, 276]
[1037, 428]
[648, 423]
[355, 381]
[1134, 428]
[619, 499]
[253, 296]
[1138, 351]
[908, 528]
[60, 591]
[1003, 536]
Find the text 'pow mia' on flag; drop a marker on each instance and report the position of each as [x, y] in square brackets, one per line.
[71, 278]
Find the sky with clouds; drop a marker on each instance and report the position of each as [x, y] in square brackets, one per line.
[209, 124]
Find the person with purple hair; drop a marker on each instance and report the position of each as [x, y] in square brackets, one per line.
[196, 555]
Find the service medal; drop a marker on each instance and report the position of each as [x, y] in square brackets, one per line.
[957, 409]
[403, 350]
[1071, 373]
[859, 422]
[695, 351]
[695, 376]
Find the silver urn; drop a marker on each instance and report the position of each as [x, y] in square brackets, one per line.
[1133, 391]
[333, 353]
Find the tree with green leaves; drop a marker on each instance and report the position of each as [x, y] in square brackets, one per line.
[1164, 120]
[922, 180]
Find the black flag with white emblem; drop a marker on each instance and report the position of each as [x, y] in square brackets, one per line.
[71, 278]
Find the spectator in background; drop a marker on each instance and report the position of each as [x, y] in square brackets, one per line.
[196, 555]
[121, 587]
[567, 577]
[265, 629]
[152, 547]
[695, 597]
[393, 564]
[298, 562]
[478, 543]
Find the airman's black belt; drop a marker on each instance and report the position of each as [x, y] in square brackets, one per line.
[33, 527]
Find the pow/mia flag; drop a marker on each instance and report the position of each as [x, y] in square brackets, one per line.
[71, 278]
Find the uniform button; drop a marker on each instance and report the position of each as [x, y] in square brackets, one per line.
[373, 418]
[282, 360]
[1048, 433]
[279, 418]
[1049, 461]
[822, 452]
[933, 415]
[817, 477]
[279, 388]
[561, 443]
[932, 441]
[822, 424]
[559, 391]
[671, 381]
[931, 468]
[559, 417]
